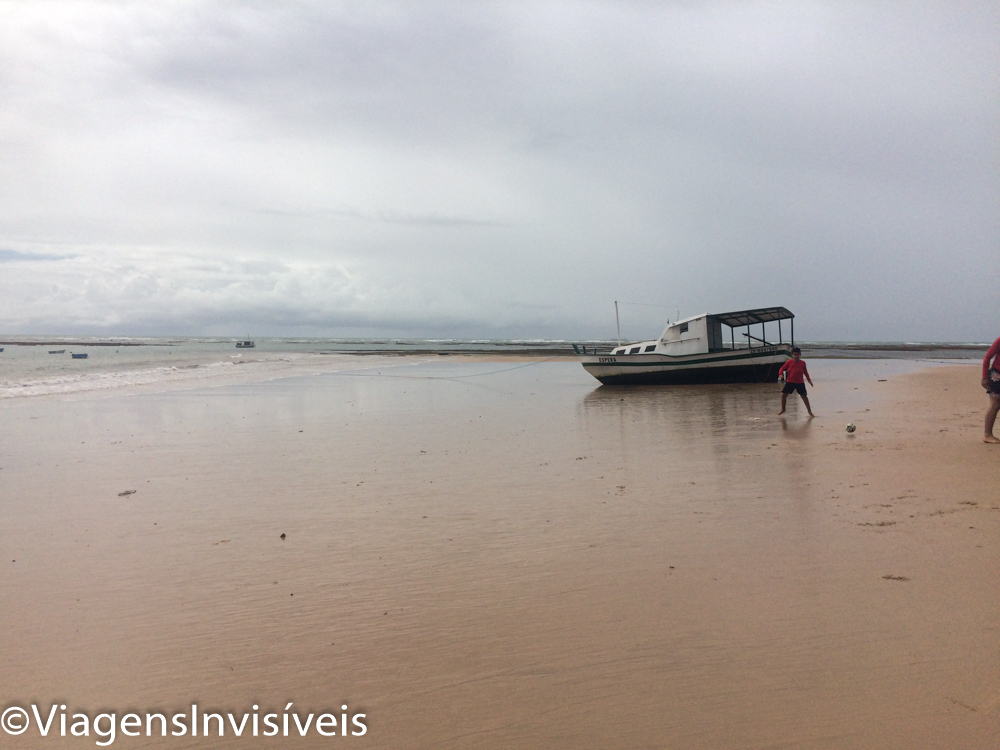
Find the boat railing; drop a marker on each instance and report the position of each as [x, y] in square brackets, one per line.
[728, 347]
[592, 349]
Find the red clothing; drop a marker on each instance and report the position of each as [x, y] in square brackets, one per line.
[796, 370]
[994, 351]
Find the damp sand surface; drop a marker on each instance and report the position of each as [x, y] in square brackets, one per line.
[519, 559]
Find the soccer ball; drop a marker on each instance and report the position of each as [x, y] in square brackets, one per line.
[851, 427]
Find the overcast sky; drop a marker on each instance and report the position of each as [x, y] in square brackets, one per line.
[503, 169]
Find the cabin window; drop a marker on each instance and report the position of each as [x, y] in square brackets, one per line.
[683, 328]
[634, 350]
[650, 348]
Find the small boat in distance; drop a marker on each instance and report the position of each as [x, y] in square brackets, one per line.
[57, 351]
[248, 344]
[78, 356]
[695, 351]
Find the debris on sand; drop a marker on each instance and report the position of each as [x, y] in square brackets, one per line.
[126, 492]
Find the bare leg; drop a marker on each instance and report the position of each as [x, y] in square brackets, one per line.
[805, 400]
[991, 417]
[784, 398]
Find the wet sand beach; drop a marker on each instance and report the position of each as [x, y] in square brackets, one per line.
[477, 556]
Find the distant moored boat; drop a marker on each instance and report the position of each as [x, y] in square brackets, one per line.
[57, 351]
[248, 344]
[79, 356]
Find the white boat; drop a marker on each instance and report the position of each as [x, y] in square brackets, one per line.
[695, 350]
[245, 344]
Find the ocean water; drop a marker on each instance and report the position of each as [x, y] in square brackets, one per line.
[31, 370]
[28, 368]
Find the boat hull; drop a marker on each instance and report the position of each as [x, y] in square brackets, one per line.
[757, 365]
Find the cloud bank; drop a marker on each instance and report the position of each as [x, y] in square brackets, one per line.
[498, 169]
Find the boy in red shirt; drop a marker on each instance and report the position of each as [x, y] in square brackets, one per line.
[796, 369]
[991, 382]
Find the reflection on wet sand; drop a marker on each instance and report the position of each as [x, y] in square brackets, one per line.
[698, 433]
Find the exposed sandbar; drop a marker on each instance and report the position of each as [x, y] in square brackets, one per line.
[522, 560]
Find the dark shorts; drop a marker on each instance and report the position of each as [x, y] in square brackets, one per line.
[792, 387]
[993, 383]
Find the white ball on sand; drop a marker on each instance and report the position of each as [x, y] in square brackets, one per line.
[851, 427]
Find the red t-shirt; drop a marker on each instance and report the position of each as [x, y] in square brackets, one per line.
[796, 370]
[994, 351]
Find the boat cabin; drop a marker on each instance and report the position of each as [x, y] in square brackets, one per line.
[704, 334]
